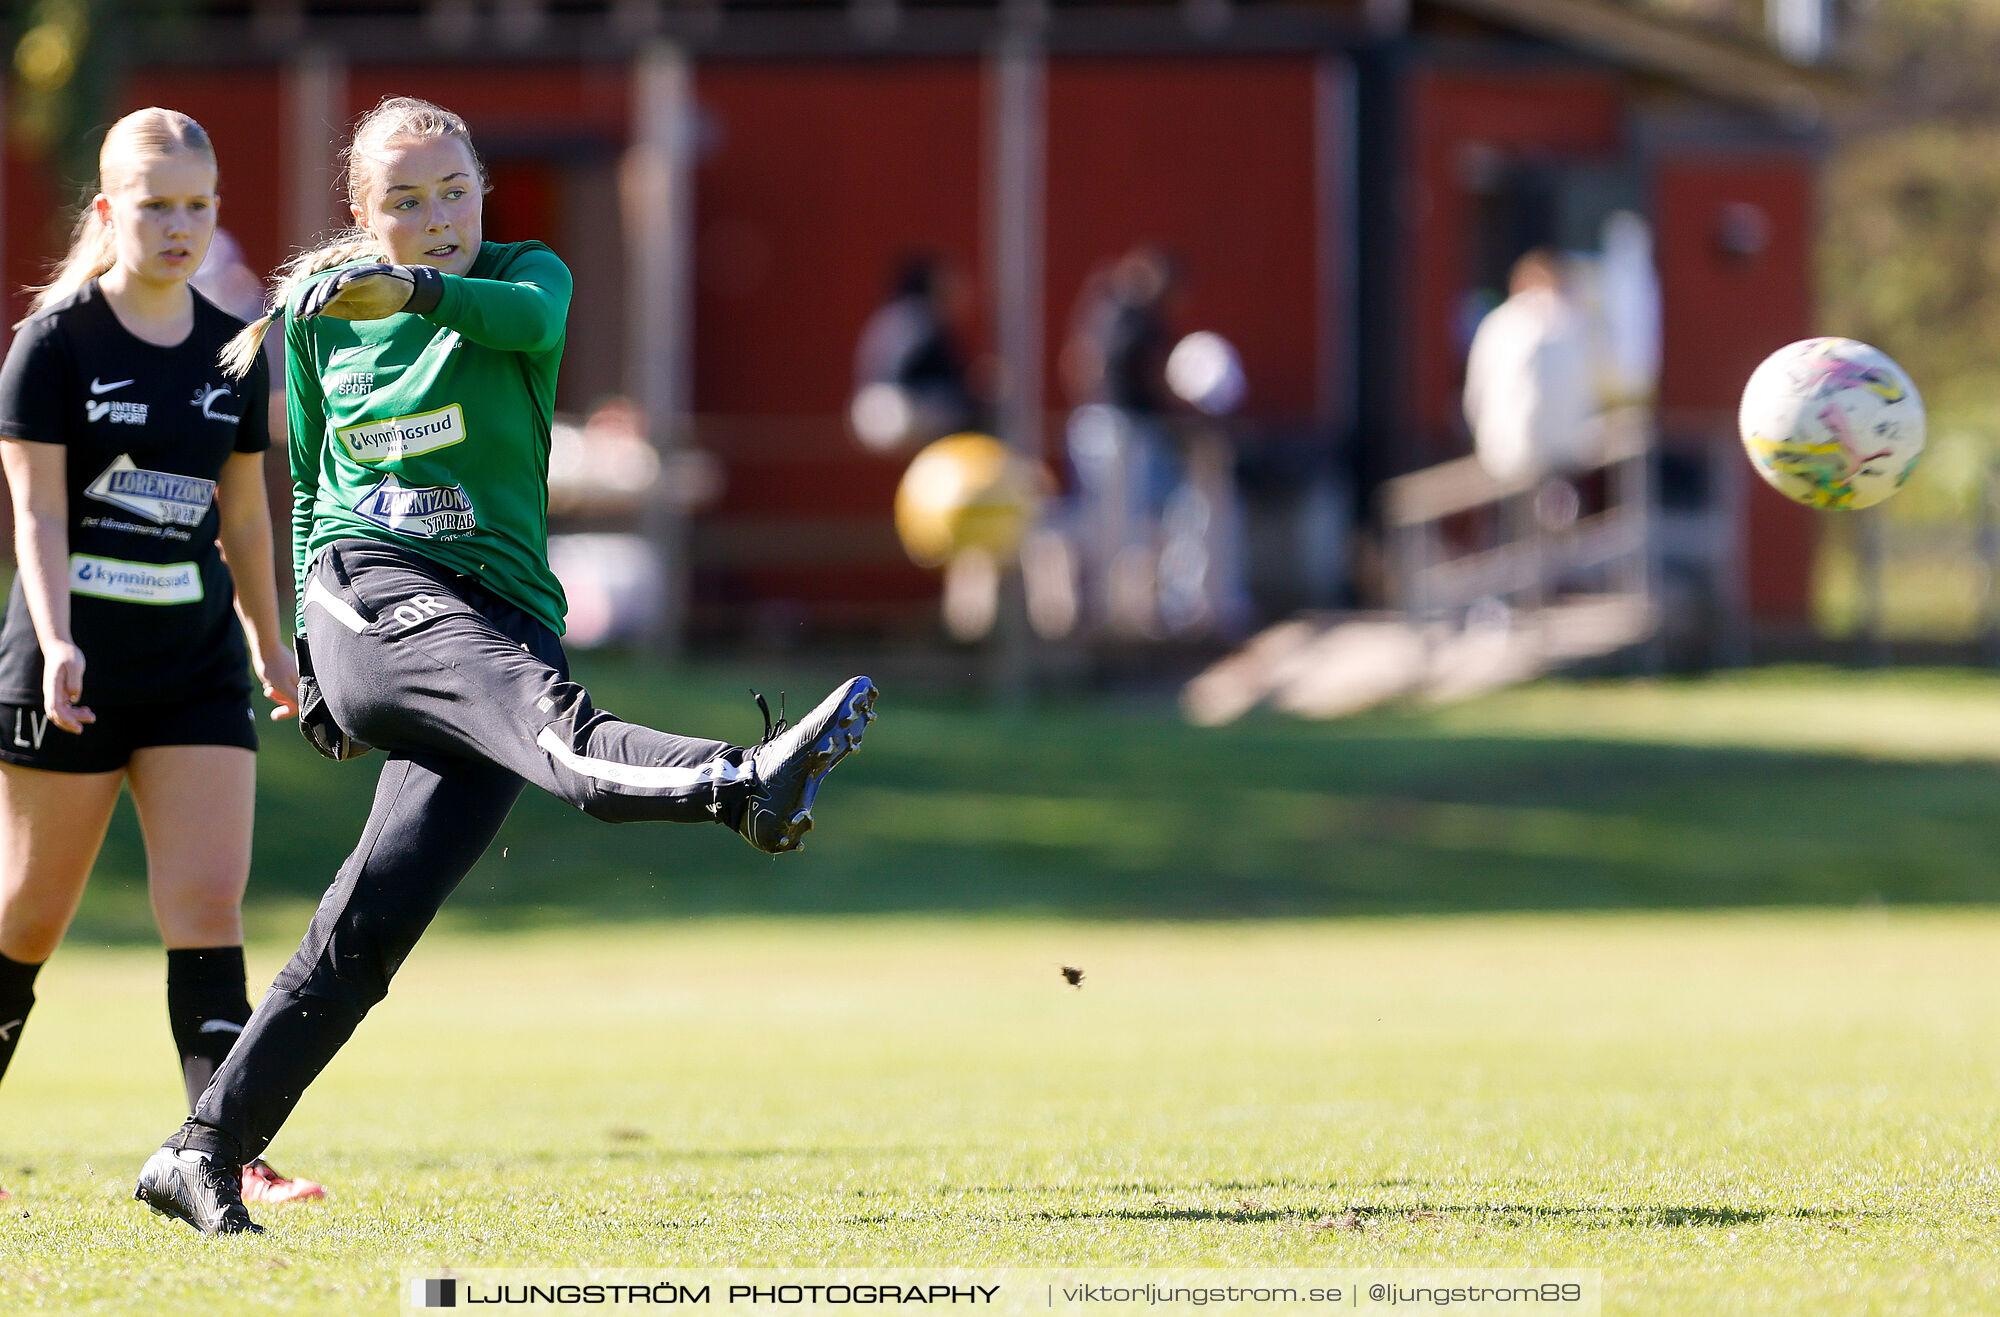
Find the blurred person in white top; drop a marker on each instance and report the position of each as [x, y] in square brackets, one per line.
[1530, 394]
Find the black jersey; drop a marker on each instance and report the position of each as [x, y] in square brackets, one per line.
[147, 430]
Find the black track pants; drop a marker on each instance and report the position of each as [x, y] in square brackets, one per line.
[412, 658]
[469, 697]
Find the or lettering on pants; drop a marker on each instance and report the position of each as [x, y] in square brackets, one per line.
[419, 608]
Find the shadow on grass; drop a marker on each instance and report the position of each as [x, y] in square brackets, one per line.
[812, 1153]
[1122, 811]
[1508, 1215]
[638, 1146]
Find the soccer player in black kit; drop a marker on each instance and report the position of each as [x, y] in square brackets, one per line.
[136, 466]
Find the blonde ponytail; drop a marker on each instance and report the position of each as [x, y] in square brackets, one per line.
[240, 353]
[133, 142]
[393, 118]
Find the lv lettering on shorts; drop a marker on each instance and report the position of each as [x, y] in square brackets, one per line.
[29, 729]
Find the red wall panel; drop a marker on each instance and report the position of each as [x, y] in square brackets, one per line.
[816, 178]
[1723, 313]
[526, 202]
[1212, 159]
[37, 226]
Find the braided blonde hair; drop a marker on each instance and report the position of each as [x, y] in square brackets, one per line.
[133, 142]
[396, 117]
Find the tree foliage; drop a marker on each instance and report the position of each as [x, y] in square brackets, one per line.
[1909, 254]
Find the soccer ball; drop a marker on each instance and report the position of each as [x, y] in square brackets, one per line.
[1204, 371]
[1832, 423]
[967, 491]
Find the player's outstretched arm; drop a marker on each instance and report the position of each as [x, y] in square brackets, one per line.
[526, 311]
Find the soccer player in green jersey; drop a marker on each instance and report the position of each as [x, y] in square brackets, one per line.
[421, 363]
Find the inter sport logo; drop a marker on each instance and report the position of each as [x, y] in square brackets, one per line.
[159, 496]
[119, 413]
[435, 512]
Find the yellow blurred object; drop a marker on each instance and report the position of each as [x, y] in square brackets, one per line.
[47, 54]
[46, 57]
[967, 491]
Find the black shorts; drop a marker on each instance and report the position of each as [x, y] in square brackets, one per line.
[30, 740]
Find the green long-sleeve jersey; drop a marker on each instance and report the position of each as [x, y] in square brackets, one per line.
[432, 431]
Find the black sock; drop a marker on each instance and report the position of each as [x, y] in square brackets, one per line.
[17, 998]
[289, 1041]
[207, 1007]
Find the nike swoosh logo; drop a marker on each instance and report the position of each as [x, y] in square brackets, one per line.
[338, 355]
[220, 1026]
[95, 387]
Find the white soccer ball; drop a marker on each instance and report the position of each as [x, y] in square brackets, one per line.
[1204, 371]
[1832, 423]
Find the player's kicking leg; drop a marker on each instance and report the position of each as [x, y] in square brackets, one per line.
[408, 660]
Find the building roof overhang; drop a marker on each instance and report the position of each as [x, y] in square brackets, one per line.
[1705, 61]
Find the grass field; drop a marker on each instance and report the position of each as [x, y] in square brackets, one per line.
[1451, 989]
[1742, 1114]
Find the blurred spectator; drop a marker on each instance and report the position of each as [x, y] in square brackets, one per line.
[606, 483]
[228, 281]
[1529, 393]
[1120, 453]
[604, 464]
[1151, 544]
[909, 375]
[1628, 302]
[1117, 352]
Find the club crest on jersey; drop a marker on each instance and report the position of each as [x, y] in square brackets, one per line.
[205, 398]
[159, 496]
[435, 512]
[404, 436]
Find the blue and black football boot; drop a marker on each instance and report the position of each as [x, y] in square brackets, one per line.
[787, 766]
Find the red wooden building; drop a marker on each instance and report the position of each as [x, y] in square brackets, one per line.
[732, 180]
